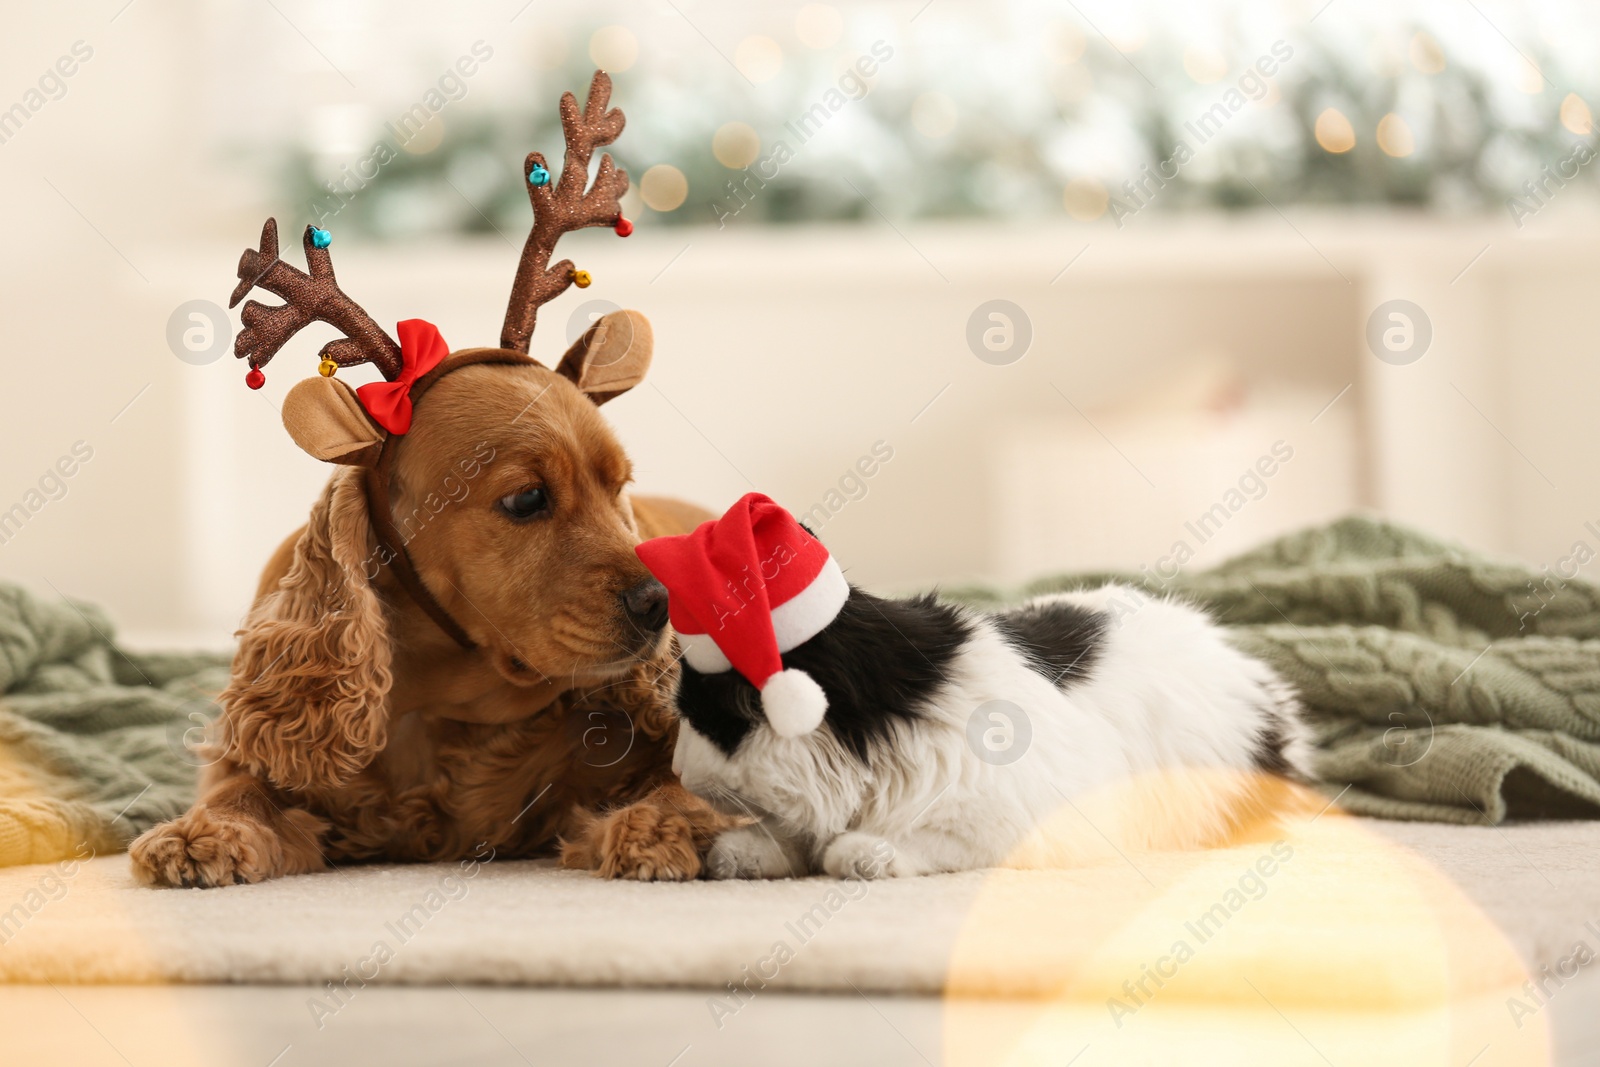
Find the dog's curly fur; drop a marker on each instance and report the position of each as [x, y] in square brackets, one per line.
[313, 619]
[354, 729]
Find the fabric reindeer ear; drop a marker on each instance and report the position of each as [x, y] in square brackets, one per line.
[611, 357]
[326, 419]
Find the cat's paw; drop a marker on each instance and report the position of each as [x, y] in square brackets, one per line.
[749, 852]
[859, 855]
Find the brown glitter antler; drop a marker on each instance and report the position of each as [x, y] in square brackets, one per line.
[563, 205]
[313, 296]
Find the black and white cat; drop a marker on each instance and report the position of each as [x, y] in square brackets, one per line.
[1123, 722]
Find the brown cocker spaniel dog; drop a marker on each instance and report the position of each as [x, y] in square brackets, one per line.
[354, 728]
[460, 650]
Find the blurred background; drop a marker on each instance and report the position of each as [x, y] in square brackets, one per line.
[985, 290]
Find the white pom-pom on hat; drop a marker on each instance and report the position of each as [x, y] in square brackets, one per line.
[794, 703]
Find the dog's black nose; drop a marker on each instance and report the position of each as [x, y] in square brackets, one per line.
[646, 605]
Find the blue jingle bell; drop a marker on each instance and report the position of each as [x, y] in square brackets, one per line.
[321, 238]
[539, 175]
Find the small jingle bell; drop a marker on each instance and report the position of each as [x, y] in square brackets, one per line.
[538, 175]
[623, 227]
[327, 367]
[320, 238]
[581, 279]
[255, 379]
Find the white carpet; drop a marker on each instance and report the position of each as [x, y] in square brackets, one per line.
[1360, 902]
[1411, 939]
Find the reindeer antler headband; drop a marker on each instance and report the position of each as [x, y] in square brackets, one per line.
[360, 427]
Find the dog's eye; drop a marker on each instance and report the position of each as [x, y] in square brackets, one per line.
[525, 504]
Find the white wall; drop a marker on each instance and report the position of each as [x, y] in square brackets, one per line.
[784, 356]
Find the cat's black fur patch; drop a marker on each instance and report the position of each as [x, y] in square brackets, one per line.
[722, 707]
[1270, 744]
[877, 662]
[1061, 640]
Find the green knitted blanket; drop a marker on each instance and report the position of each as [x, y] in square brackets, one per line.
[1443, 685]
[94, 740]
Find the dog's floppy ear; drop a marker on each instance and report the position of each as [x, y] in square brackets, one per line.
[305, 704]
[325, 418]
[611, 357]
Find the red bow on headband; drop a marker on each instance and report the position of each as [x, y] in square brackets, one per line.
[421, 349]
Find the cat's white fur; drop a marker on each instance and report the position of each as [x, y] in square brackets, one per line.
[1152, 749]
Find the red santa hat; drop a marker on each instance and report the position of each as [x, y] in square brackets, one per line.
[744, 589]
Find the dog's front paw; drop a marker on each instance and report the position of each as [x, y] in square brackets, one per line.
[749, 852]
[640, 841]
[202, 850]
[859, 855]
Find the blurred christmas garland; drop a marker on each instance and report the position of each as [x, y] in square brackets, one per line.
[1000, 122]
